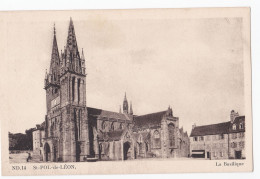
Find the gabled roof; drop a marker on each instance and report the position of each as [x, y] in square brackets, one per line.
[213, 129]
[94, 114]
[152, 119]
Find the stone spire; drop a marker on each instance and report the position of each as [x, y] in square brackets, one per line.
[71, 38]
[83, 62]
[125, 105]
[54, 72]
[131, 109]
[71, 53]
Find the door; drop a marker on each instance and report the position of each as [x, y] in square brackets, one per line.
[47, 152]
[238, 154]
[126, 150]
[208, 155]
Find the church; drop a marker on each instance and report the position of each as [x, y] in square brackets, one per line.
[73, 132]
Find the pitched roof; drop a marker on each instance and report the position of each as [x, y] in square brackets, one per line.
[213, 129]
[94, 113]
[152, 119]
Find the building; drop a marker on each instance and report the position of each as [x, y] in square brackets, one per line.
[237, 138]
[74, 132]
[219, 141]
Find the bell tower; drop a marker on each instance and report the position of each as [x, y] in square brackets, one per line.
[65, 86]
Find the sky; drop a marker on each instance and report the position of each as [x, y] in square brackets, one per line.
[195, 65]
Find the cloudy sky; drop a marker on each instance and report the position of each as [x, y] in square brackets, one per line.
[194, 65]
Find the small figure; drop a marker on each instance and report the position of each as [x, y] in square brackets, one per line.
[29, 157]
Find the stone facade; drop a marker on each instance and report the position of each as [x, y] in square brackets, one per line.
[219, 141]
[73, 132]
[237, 138]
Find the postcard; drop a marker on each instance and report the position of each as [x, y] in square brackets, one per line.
[126, 91]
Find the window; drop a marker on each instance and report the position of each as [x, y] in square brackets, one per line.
[221, 136]
[234, 127]
[121, 126]
[215, 154]
[234, 135]
[201, 138]
[73, 88]
[112, 126]
[78, 89]
[241, 126]
[221, 154]
[241, 134]
[242, 144]
[195, 139]
[79, 123]
[233, 144]
[104, 125]
[156, 139]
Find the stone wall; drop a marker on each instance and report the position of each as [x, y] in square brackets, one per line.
[237, 144]
[214, 145]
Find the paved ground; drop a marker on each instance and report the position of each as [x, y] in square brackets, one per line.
[18, 158]
[22, 158]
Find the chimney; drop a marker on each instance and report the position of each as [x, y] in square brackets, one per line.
[193, 126]
[233, 116]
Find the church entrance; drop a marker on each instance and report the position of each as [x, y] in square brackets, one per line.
[47, 151]
[126, 150]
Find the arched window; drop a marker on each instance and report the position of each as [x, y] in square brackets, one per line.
[171, 129]
[234, 127]
[104, 125]
[156, 139]
[241, 126]
[79, 124]
[78, 89]
[73, 88]
[54, 76]
[112, 126]
[55, 123]
[51, 131]
[121, 126]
